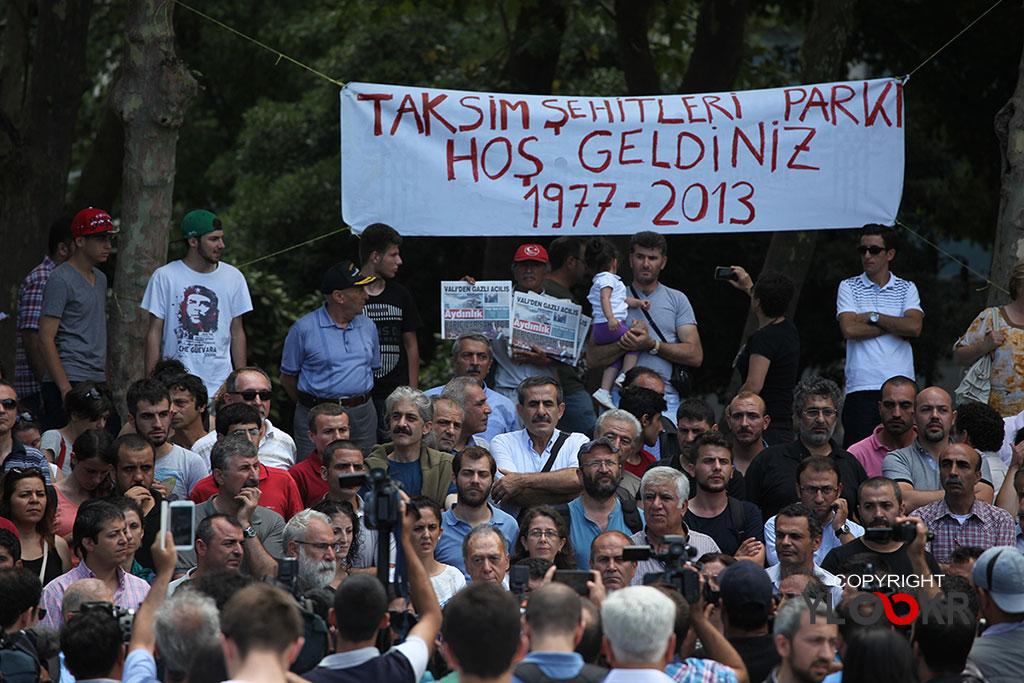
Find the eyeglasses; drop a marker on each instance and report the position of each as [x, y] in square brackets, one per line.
[322, 547]
[253, 431]
[815, 490]
[874, 250]
[815, 413]
[543, 533]
[251, 394]
[9, 403]
[598, 464]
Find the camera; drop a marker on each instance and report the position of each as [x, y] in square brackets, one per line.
[382, 511]
[676, 556]
[904, 532]
[125, 617]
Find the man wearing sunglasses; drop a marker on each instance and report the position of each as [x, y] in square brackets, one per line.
[878, 313]
[13, 453]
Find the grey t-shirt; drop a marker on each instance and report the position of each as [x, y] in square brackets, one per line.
[669, 309]
[82, 334]
[914, 466]
[269, 528]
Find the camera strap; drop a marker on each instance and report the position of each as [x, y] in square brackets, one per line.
[562, 436]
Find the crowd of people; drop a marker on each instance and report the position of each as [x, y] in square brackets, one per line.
[543, 533]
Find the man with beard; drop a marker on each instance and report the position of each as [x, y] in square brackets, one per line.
[149, 413]
[133, 478]
[473, 474]
[198, 289]
[189, 400]
[308, 536]
[734, 524]
[916, 467]
[407, 459]
[806, 643]
[606, 557]
[818, 487]
[472, 357]
[537, 465]
[598, 509]
[468, 393]
[959, 518]
[747, 419]
[896, 408]
[236, 473]
[695, 417]
[219, 544]
[771, 477]
[881, 502]
[624, 432]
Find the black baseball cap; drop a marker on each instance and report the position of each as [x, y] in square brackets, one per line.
[342, 276]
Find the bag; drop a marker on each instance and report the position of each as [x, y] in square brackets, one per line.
[531, 673]
[976, 384]
[681, 379]
[16, 664]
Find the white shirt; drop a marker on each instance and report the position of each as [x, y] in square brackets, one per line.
[638, 676]
[829, 540]
[830, 580]
[618, 298]
[702, 543]
[870, 362]
[514, 452]
[277, 449]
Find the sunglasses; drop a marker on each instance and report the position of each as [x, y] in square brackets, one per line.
[25, 416]
[9, 403]
[251, 394]
[94, 394]
[874, 250]
[26, 471]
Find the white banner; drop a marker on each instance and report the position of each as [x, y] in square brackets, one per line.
[445, 162]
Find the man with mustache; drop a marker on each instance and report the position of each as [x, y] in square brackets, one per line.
[896, 407]
[198, 289]
[473, 471]
[149, 412]
[537, 465]
[771, 478]
[747, 418]
[916, 467]
[309, 538]
[472, 357]
[797, 536]
[959, 518]
[236, 471]
[598, 510]
[881, 502]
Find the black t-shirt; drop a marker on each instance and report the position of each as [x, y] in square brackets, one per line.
[394, 313]
[758, 654]
[725, 533]
[898, 561]
[780, 344]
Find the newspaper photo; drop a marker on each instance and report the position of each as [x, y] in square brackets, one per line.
[548, 324]
[484, 307]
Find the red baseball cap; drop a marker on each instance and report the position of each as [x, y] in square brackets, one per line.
[92, 222]
[531, 252]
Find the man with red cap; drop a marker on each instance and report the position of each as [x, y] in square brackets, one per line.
[73, 319]
[196, 306]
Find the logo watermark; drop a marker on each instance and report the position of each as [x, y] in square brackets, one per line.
[876, 602]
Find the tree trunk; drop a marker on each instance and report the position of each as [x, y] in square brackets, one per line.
[1009, 243]
[634, 49]
[717, 47]
[155, 92]
[41, 84]
[791, 251]
[536, 46]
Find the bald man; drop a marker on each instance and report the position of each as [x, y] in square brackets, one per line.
[747, 418]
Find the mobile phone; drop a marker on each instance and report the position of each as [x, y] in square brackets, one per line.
[356, 480]
[575, 579]
[178, 517]
[287, 570]
[725, 273]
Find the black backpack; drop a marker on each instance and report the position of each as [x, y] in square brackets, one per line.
[17, 663]
[531, 673]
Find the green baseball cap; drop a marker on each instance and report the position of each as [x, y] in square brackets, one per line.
[199, 222]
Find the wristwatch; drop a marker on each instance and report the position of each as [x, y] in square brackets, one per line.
[657, 345]
[249, 532]
[844, 529]
[873, 318]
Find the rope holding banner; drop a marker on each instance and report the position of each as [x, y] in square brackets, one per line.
[295, 246]
[952, 258]
[950, 41]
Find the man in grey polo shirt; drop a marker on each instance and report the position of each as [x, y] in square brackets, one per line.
[236, 471]
[916, 467]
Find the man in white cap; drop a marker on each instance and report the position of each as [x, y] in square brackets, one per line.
[999, 576]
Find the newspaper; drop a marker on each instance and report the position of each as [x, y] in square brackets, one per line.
[484, 308]
[549, 324]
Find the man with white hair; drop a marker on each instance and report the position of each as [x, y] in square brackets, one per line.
[407, 459]
[638, 634]
[468, 393]
[309, 537]
[665, 493]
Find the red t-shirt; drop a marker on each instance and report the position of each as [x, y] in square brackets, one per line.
[646, 460]
[277, 491]
[306, 474]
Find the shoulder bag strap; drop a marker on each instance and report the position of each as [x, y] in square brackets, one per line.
[562, 436]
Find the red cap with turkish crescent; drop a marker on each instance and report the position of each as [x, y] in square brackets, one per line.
[531, 252]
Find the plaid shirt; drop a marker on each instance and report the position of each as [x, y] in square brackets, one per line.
[130, 592]
[30, 306]
[695, 670]
[986, 527]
